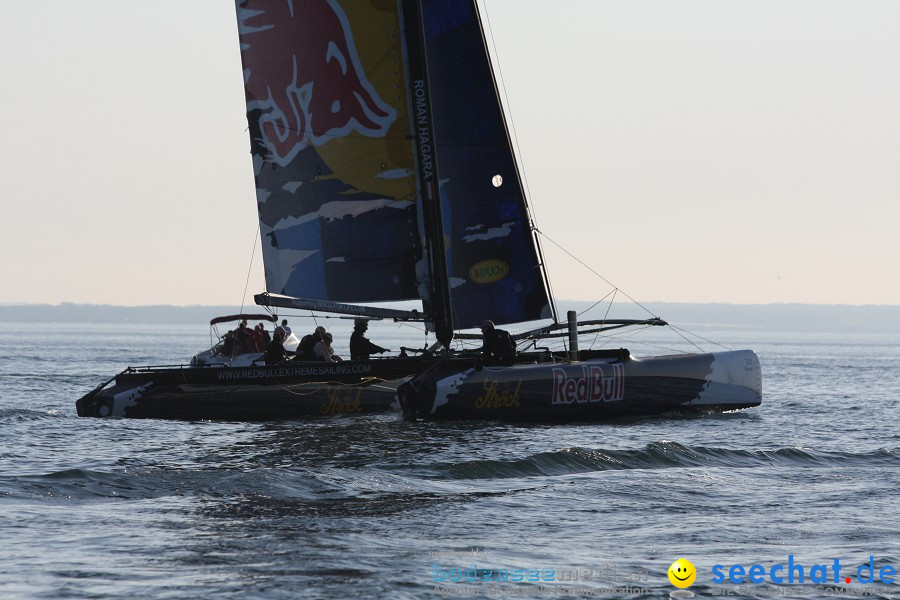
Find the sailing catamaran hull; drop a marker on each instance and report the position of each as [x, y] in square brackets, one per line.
[244, 403]
[605, 385]
[255, 393]
[595, 389]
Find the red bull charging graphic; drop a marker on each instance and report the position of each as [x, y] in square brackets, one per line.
[311, 93]
[328, 115]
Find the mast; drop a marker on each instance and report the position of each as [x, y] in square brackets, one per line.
[427, 173]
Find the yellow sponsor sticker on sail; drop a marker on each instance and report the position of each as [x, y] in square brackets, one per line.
[488, 271]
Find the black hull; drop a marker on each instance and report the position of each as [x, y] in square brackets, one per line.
[256, 393]
[540, 388]
[598, 388]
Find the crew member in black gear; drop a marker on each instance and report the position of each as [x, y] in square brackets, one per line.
[499, 347]
[360, 346]
[275, 350]
[306, 350]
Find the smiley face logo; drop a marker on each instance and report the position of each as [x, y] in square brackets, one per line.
[682, 573]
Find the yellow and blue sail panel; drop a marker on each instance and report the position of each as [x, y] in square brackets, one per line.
[331, 144]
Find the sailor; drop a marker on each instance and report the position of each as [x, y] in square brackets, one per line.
[285, 329]
[257, 340]
[266, 337]
[243, 341]
[324, 351]
[360, 346]
[275, 349]
[306, 350]
[227, 343]
[499, 347]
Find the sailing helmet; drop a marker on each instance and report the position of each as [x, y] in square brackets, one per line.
[487, 325]
[360, 322]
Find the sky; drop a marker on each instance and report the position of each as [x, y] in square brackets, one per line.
[692, 151]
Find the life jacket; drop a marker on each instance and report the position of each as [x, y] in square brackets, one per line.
[308, 344]
[505, 344]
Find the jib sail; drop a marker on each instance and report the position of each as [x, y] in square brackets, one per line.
[492, 262]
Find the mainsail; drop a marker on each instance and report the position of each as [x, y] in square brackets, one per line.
[383, 164]
[330, 138]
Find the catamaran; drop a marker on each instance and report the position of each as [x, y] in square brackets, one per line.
[385, 172]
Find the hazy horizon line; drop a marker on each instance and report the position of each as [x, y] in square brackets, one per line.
[783, 317]
[562, 301]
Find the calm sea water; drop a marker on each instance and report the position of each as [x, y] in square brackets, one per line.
[362, 507]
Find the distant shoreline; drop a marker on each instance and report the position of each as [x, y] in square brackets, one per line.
[823, 318]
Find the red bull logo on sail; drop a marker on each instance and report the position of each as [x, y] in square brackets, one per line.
[583, 383]
[306, 76]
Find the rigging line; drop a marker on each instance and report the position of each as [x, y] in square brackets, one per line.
[654, 346]
[234, 348]
[606, 314]
[530, 212]
[611, 301]
[679, 333]
[366, 382]
[250, 267]
[591, 307]
[589, 268]
[679, 330]
[506, 104]
[625, 335]
[608, 338]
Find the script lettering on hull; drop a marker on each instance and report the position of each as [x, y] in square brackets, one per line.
[499, 396]
[342, 401]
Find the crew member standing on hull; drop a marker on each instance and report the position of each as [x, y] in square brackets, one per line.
[360, 346]
[499, 347]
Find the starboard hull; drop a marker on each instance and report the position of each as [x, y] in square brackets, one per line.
[595, 389]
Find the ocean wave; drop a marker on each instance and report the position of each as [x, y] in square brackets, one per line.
[94, 482]
[19, 415]
[84, 484]
[658, 455]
